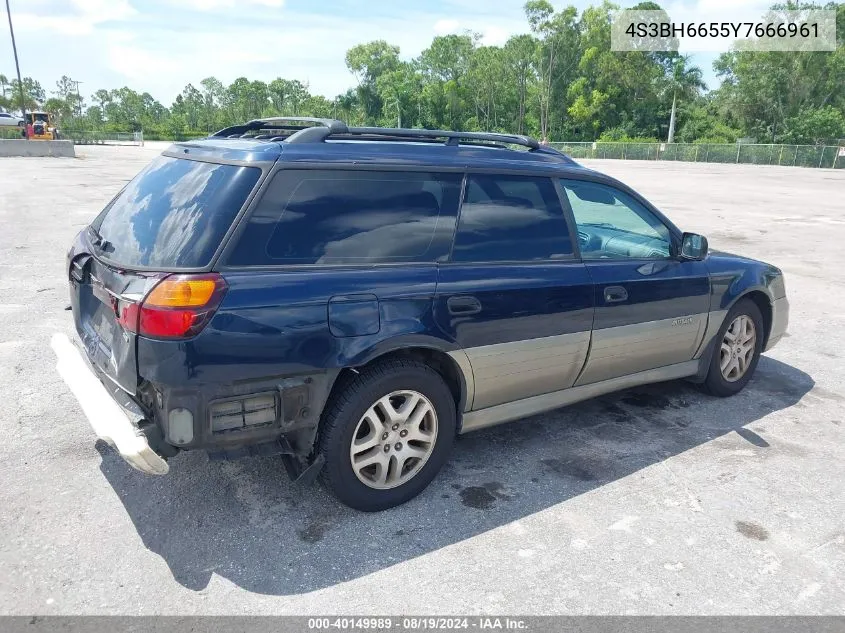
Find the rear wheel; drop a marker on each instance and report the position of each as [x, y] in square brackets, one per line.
[738, 347]
[386, 434]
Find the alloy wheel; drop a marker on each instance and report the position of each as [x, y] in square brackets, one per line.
[737, 350]
[393, 439]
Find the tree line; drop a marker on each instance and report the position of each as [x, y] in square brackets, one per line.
[560, 81]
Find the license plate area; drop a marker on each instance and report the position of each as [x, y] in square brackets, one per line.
[101, 293]
[109, 346]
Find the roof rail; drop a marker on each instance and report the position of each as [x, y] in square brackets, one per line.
[312, 133]
[322, 129]
[452, 138]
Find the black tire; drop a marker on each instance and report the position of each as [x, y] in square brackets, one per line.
[348, 405]
[716, 384]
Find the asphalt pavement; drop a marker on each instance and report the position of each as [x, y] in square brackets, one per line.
[657, 500]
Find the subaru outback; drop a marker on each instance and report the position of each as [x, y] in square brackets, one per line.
[351, 299]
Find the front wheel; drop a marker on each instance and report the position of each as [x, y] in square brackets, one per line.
[386, 434]
[738, 347]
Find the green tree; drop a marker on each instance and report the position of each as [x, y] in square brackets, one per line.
[34, 94]
[765, 91]
[347, 104]
[102, 98]
[59, 108]
[93, 118]
[519, 51]
[557, 55]
[559, 81]
[67, 90]
[444, 66]
[279, 94]
[368, 62]
[683, 82]
[705, 121]
[399, 92]
[4, 85]
[816, 126]
[193, 105]
[213, 94]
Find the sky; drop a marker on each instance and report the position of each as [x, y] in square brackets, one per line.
[159, 46]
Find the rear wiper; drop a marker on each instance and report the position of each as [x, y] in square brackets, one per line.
[98, 241]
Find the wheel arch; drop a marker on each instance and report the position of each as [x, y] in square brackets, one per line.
[443, 362]
[446, 358]
[763, 302]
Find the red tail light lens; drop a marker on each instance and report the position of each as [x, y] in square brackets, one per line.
[179, 306]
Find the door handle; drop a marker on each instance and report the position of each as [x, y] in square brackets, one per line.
[463, 305]
[615, 294]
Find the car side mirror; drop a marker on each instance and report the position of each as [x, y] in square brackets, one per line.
[693, 247]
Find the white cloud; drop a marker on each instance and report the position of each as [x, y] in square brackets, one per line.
[495, 35]
[87, 15]
[216, 5]
[446, 26]
[717, 10]
[112, 43]
[97, 11]
[64, 25]
[136, 63]
[491, 34]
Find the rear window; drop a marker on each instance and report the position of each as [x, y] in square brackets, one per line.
[351, 217]
[174, 213]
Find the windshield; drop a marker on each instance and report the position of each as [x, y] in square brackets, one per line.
[173, 214]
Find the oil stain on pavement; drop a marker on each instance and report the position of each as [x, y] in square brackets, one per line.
[752, 530]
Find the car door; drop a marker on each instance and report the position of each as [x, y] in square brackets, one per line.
[651, 307]
[513, 294]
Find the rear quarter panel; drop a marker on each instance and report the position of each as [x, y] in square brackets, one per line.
[276, 323]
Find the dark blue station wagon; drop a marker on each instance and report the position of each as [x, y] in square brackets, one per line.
[353, 298]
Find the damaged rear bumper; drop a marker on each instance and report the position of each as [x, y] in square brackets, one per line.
[117, 424]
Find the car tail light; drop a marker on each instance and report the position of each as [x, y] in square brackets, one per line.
[179, 306]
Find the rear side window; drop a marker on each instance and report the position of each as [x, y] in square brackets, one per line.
[174, 213]
[350, 217]
[511, 218]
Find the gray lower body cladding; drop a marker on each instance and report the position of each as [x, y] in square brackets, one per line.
[543, 374]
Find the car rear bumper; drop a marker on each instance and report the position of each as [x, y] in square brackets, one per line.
[780, 321]
[116, 423]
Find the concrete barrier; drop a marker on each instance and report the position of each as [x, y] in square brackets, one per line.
[21, 147]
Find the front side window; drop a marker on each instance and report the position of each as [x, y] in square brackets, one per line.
[613, 225]
[350, 217]
[511, 219]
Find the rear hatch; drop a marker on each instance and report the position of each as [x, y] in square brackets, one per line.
[170, 218]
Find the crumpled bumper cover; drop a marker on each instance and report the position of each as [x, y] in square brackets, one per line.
[110, 421]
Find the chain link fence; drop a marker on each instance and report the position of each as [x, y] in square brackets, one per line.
[828, 156]
[84, 137]
[94, 137]
[824, 156]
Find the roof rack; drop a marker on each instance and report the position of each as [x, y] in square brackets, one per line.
[323, 129]
[452, 138]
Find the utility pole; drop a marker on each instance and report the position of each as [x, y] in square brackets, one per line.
[17, 65]
[78, 98]
[671, 138]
